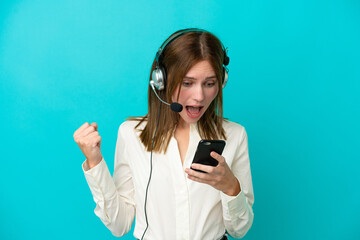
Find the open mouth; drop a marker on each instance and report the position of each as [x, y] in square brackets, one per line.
[193, 112]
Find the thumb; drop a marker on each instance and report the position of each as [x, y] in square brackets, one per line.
[95, 125]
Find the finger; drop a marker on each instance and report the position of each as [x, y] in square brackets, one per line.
[218, 157]
[90, 140]
[94, 124]
[200, 175]
[200, 180]
[94, 139]
[80, 129]
[98, 140]
[92, 135]
[203, 167]
[87, 131]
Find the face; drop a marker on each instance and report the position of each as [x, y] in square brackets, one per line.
[198, 89]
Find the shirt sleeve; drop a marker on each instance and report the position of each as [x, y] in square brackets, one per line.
[237, 210]
[114, 197]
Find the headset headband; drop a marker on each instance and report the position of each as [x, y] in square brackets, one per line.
[180, 33]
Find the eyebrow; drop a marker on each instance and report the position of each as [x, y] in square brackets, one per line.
[208, 78]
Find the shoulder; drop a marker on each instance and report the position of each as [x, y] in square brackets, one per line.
[234, 131]
[233, 128]
[131, 127]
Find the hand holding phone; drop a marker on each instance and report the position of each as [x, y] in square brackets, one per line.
[205, 147]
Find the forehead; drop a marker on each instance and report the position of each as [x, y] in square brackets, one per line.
[202, 69]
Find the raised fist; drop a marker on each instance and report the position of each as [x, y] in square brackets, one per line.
[88, 139]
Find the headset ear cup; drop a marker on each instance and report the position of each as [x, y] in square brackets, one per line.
[158, 78]
[225, 77]
[163, 74]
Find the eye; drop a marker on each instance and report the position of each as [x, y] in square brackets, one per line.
[186, 83]
[210, 83]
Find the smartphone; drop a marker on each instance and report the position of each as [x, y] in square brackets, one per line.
[205, 147]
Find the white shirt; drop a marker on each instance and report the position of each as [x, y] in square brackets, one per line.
[177, 207]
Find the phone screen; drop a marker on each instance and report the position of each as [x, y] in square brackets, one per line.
[205, 147]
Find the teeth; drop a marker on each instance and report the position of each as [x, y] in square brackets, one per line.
[193, 110]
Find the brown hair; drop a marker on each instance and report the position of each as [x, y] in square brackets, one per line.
[177, 58]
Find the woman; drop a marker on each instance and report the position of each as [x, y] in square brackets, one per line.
[154, 177]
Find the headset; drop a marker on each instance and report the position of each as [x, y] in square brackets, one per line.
[158, 75]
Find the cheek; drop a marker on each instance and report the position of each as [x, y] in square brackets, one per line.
[212, 94]
[183, 95]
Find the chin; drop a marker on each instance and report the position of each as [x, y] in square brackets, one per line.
[192, 121]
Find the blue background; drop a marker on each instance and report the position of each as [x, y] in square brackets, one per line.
[294, 85]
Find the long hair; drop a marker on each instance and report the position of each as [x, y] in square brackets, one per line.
[177, 59]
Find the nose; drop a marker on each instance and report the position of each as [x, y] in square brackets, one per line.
[198, 93]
